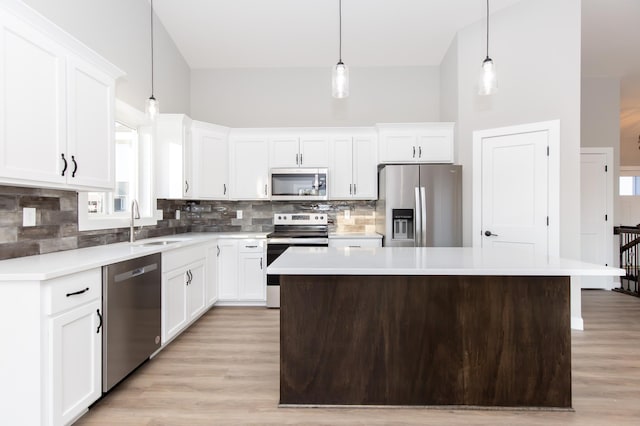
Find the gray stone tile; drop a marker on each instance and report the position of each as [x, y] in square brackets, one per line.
[8, 202]
[11, 218]
[58, 217]
[49, 203]
[19, 249]
[37, 232]
[58, 244]
[8, 235]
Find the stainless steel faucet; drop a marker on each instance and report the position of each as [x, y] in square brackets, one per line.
[135, 214]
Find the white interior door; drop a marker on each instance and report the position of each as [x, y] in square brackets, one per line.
[512, 187]
[596, 197]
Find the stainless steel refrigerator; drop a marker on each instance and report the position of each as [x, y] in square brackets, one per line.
[420, 205]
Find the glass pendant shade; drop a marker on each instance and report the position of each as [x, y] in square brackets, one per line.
[488, 83]
[340, 81]
[152, 108]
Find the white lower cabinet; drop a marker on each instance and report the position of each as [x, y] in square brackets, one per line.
[242, 272]
[76, 361]
[211, 281]
[183, 289]
[51, 354]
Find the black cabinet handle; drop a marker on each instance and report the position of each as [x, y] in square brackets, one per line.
[218, 255]
[64, 169]
[260, 263]
[419, 152]
[224, 185]
[414, 152]
[78, 292]
[251, 246]
[190, 276]
[100, 323]
[75, 166]
[296, 159]
[355, 189]
[186, 186]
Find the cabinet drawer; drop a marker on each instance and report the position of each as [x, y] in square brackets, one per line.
[355, 242]
[177, 258]
[251, 246]
[72, 290]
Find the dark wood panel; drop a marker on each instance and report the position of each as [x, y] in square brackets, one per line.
[425, 341]
[517, 341]
[368, 340]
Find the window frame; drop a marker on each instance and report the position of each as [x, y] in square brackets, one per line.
[135, 119]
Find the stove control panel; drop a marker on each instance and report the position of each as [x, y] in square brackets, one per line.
[300, 219]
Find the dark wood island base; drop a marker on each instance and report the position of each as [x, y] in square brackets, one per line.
[483, 341]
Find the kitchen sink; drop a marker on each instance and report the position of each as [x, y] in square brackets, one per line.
[156, 243]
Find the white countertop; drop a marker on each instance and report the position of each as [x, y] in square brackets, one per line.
[354, 235]
[52, 265]
[427, 261]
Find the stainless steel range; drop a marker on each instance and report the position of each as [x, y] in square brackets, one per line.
[293, 229]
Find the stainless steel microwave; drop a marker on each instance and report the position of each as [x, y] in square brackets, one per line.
[299, 184]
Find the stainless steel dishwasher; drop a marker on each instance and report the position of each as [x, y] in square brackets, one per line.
[131, 301]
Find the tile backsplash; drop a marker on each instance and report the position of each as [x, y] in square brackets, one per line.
[57, 220]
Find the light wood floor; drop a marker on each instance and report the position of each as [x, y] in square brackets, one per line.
[224, 370]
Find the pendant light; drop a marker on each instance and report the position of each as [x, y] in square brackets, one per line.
[152, 108]
[488, 83]
[340, 75]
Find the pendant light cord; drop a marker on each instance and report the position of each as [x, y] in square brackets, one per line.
[487, 29]
[340, 32]
[152, 49]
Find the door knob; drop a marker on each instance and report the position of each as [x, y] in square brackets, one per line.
[490, 234]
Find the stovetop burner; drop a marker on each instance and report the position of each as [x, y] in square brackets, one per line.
[300, 225]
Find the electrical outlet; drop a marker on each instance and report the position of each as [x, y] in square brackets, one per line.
[347, 214]
[28, 216]
[238, 214]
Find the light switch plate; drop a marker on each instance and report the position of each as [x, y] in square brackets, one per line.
[28, 216]
[238, 214]
[347, 214]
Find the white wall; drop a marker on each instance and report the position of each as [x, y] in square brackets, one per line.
[630, 121]
[449, 107]
[119, 30]
[600, 124]
[535, 45]
[273, 97]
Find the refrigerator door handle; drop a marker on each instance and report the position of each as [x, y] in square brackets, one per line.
[418, 219]
[423, 216]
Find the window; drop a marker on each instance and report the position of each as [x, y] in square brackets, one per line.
[629, 181]
[133, 177]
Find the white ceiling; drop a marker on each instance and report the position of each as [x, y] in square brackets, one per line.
[304, 33]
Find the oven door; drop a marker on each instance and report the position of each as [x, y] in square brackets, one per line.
[277, 246]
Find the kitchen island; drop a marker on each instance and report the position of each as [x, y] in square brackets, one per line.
[426, 327]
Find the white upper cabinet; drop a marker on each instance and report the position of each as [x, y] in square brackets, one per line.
[56, 106]
[210, 161]
[249, 165]
[416, 143]
[173, 167]
[293, 150]
[353, 168]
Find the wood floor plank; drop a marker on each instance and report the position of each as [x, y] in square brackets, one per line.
[224, 370]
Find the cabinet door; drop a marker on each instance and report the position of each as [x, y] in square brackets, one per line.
[284, 152]
[210, 164]
[436, 147]
[76, 362]
[341, 176]
[196, 302]
[90, 145]
[251, 277]
[32, 105]
[187, 164]
[398, 147]
[174, 303]
[365, 168]
[314, 151]
[250, 165]
[228, 270]
[169, 152]
[212, 274]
